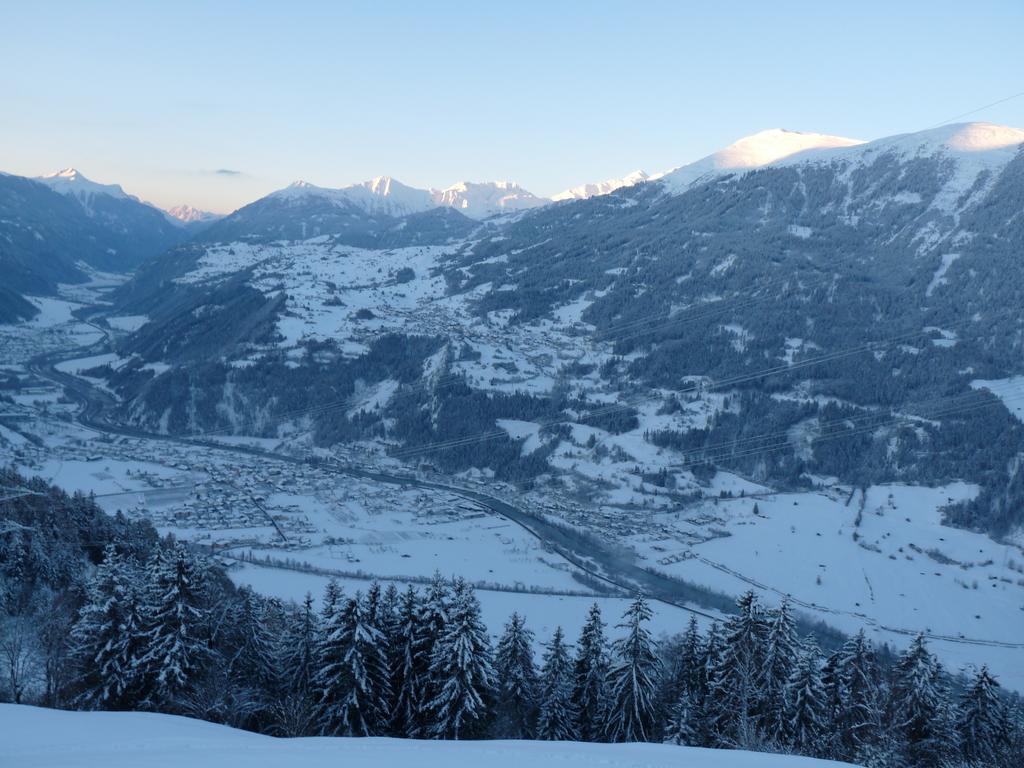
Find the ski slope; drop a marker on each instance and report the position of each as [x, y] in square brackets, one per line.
[43, 738]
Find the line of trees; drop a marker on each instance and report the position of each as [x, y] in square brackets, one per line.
[421, 664]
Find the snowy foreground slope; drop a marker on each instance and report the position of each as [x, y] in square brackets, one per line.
[44, 738]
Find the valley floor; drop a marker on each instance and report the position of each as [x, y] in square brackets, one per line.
[42, 738]
[879, 560]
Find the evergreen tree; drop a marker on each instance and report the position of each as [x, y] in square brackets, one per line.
[254, 627]
[781, 650]
[682, 728]
[295, 708]
[174, 647]
[982, 722]
[852, 691]
[733, 689]
[806, 716]
[633, 679]
[691, 659]
[461, 671]
[590, 677]
[410, 663]
[516, 682]
[918, 708]
[705, 716]
[353, 683]
[106, 638]
[434, 618]
[557, 718]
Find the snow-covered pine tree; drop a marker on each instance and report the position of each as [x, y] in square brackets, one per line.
[295, 709]
[691, 657]
[805, 715]
[299, 646]
[682, 728]
[633, 678]
[461, 671]
[434, 617]
[105, 641]
[557, 719]
[253, 631]
[516, 682]
[590, 677]
[354, 682]
[733, 690]
[173, 649]
[681, 660]
[918, 707]
[781, 650]
[409, 666]
[333, 596]
[704, 715]
[390, 602]
[852, 693]
[982, 721]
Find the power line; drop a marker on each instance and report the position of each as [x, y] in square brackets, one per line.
[978, 109]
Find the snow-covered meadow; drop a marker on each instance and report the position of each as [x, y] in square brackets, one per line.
[42, 738]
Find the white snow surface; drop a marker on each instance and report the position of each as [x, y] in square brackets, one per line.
[46, 738]
[751, 152]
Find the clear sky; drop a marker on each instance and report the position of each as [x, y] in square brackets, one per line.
[217, 103]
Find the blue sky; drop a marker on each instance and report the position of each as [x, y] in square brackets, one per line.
[161, 96]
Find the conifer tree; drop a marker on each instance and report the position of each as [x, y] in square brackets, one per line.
[557, 718]
[106, 638]
[633, 678]
[354, 683]
[516, 682]
[461, 671]
[804, 700]
[682, 728]
[781, 650]
[295, 707]
[733, 693]
[409, 666]
[852, 692]
[705, 715]
[590, 677]
[918, 707]
[982, 722]
[173, 648]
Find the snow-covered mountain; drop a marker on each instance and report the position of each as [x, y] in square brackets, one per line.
[51, 224]
[70, 181]
[188, 214]
[479, 200]
[972, 156]
[387, 196]
[585, 191]
[750, 152]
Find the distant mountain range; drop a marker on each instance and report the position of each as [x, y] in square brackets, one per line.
[51, 225]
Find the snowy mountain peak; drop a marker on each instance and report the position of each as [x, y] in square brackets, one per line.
[750, 152]
[979, 137]
[70, 181]
[478, 200]
[386, 195]
[190, 215]
[584, 191]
